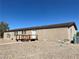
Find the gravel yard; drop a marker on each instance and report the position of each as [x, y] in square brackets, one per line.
[39, 50]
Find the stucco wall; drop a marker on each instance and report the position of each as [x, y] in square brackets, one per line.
[12, 37]
[54, 34]
[71, 32]
[28, 32]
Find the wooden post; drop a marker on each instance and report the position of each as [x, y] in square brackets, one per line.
[16, 36]
[36, 37]
[29, 37]
[19, 36]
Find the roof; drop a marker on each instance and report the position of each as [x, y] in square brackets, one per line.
[68, 24]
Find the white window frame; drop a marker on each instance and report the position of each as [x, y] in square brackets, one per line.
[33, 34]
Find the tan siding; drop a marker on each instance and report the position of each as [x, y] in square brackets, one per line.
[28, 32]
[53, 34]
[71, 32]
[11, 36]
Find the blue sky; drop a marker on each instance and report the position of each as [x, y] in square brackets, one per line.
[28, 13]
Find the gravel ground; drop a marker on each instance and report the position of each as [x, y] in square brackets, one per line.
[39, 50]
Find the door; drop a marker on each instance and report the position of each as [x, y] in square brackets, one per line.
[33, 34]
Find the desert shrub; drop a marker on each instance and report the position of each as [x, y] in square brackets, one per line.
[66, 40]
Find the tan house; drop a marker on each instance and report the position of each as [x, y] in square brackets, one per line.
[54, 32]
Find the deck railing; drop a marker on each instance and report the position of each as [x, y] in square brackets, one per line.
[26, 37]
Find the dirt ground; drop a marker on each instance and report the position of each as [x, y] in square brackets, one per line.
[39, 50]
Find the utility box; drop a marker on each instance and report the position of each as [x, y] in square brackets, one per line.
[77, 39]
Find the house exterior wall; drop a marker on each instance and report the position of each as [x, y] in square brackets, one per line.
[28, 32]
[12, 37]
[54, 34]
[71, 32]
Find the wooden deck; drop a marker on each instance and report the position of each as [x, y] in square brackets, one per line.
[26, 37]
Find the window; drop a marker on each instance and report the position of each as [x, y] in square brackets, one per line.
[23, 32]
[68, 29]
[15, 33]
[19, 32]
[33, 32]
[8, 35]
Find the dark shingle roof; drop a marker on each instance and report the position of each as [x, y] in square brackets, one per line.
[47, 26]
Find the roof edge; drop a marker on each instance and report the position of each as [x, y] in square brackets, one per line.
[68, 24]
